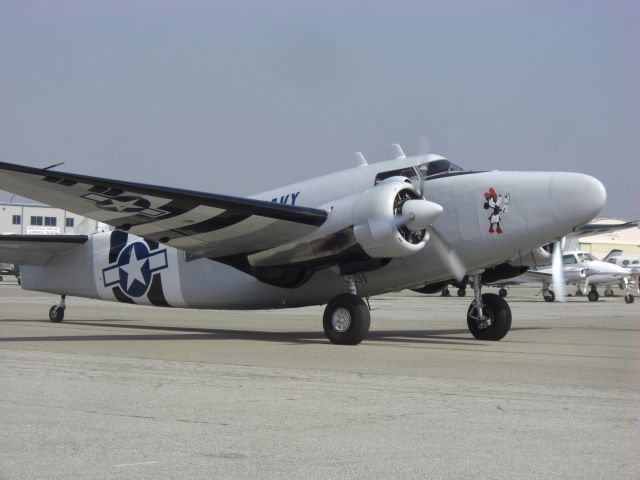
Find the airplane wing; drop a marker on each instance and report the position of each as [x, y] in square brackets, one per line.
[204, 224]
[589, 229]
[537, 275]
[36, 249]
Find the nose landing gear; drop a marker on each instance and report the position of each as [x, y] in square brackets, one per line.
[489, 315]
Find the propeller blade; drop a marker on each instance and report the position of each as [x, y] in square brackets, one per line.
[557, 272]
[448, 255]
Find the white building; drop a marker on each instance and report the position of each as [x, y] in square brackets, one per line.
[34, 219]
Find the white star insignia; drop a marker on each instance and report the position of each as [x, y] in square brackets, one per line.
[134, 269]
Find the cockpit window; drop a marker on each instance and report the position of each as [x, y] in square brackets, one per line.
[408, 172]
[569, 260]
[586, 257]
[438, 167]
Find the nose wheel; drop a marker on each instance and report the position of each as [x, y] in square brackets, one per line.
[489, 315]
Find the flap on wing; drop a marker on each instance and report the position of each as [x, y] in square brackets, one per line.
[36, 249]
[589, 229]
[204, 224]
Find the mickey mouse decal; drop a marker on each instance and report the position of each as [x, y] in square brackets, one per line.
[498, 205]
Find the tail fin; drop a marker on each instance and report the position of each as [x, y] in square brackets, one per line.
[613, 253]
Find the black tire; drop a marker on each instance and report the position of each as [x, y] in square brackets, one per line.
[358, 319]
[462, 292]
[446, 292]
[550, 296]
[593, 296]
[628, 298]
[503, 292]
[497, 309]
[56, 314]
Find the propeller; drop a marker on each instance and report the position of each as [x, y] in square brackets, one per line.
[557, 271]
[443, 249]
[418, 214]
[448, 255]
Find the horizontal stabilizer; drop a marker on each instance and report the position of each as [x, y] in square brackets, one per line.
[599, 228]
[36, 249]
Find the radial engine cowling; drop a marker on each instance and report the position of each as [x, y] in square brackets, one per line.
[391, 220]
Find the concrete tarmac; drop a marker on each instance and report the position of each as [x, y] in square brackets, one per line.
[120, 391]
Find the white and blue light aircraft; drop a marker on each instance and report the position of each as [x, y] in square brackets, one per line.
[334, 240]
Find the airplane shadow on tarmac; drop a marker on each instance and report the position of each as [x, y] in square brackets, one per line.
[441, 337]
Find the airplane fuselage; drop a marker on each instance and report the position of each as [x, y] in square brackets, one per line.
[121, 266]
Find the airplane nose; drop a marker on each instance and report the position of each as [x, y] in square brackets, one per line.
[578, 195]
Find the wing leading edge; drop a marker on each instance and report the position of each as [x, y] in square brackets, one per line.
[204, 224]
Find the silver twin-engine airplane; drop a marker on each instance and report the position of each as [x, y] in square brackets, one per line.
[403, 223]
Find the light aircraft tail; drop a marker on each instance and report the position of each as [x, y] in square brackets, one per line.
[612, 253]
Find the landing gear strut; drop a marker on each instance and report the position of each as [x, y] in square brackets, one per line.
[56, 313]
[489, 315]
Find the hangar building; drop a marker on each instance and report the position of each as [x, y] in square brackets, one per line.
[627, 240]
[35, 219]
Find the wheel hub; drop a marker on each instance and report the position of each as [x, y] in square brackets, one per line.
[341, 320]
[482, 316]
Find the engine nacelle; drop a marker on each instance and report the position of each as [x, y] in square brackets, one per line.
[534, 258]
[382, 228]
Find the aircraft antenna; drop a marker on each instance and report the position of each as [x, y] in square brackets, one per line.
[360, 160]
[397, 151]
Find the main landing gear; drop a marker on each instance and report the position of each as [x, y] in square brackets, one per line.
[346, 317]
[489, 315]
[346, 320]
[56, 313]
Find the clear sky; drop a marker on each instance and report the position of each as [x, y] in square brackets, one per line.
[238, 97]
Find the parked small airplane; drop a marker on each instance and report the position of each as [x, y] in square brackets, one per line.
[403, 223]
[584, 269]
[617, 257]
